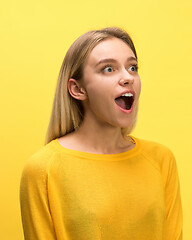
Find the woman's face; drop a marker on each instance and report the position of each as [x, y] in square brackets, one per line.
[111, 71]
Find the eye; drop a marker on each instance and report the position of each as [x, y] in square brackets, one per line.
[133, 68]
[108, 69]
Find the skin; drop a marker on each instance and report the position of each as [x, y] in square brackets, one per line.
[110, 70]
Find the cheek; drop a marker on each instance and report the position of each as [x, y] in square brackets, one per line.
[138, 87]
[95, 90]
[97, 97]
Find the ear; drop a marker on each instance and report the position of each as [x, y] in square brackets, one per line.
[76, 90]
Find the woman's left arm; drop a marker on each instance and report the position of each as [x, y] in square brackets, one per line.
[174, 216]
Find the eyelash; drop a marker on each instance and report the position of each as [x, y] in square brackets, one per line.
[110, 66]
[136, 67]
[107, 66]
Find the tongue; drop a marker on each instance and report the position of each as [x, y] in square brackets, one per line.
[120, 102]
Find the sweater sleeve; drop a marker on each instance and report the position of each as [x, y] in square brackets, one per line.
[35, 212]
[174, 218]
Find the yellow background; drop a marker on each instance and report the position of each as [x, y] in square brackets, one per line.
[34, 37]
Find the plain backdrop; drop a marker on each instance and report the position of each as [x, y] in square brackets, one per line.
[34, 37]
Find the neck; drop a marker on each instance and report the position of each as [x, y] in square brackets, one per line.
[102, 138]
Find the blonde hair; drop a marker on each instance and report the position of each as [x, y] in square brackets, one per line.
[67, 112]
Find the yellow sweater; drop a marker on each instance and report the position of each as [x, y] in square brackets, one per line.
[72, 195]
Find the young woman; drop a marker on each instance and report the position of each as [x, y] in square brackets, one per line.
[92, 180]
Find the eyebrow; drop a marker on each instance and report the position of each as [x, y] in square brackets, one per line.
[109, 60]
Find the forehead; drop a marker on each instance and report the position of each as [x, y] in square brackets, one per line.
[110, 48]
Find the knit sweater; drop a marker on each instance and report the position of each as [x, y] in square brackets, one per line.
[72, 195]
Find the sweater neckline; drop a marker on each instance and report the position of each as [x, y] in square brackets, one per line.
[97, 156]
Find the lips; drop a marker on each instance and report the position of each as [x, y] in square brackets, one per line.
[125, 100]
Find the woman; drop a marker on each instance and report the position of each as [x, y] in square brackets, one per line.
[92, 180]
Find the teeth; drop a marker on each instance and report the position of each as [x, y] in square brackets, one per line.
[127, 95]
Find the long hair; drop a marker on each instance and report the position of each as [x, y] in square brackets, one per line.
[67, 112]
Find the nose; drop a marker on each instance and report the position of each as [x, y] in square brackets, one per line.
[126, 79]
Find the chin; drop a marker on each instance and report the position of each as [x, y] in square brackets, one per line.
[131, 122]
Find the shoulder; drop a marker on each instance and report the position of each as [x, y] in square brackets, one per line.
[153, 148]
[157, 153]
[37, 165]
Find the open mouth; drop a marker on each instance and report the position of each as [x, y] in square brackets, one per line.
[125, 101]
